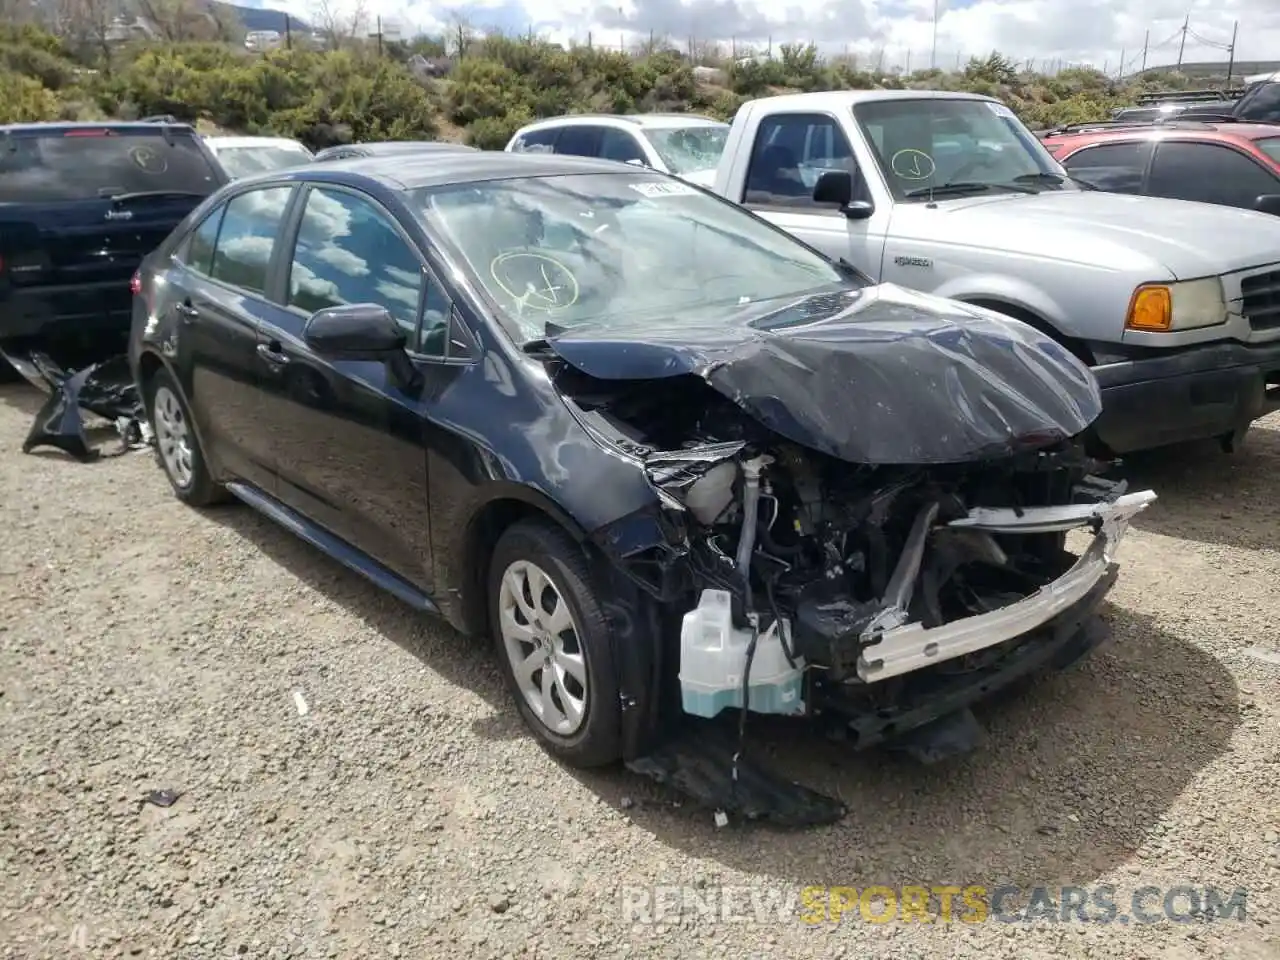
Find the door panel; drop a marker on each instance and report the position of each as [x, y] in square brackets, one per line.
[219, 306]
[348, 439]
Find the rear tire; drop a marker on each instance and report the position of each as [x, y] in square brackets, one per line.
[554, 644]
[177, 446]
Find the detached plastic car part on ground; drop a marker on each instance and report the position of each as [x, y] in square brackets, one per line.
[745, 476]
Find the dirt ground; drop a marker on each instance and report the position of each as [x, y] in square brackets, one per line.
[354, 783]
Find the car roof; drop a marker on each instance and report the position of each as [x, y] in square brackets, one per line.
[839, 99]
[650, 121]
[448, 168]
[377, 147]
[116, 126]
[1185, 129]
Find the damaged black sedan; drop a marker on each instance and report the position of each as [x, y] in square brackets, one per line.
[671, 460]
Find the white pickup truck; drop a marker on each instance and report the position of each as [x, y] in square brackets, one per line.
[950, 193]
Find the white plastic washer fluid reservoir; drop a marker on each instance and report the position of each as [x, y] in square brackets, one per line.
[713, 659]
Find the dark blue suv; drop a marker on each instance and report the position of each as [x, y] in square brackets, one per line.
[80, 205]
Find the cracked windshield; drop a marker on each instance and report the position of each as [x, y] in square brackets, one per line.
[689, 149]
[932, 147]
[577, 249]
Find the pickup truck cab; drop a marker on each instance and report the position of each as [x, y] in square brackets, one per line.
[1170, 302]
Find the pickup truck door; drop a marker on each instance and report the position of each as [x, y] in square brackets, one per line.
[790, 151]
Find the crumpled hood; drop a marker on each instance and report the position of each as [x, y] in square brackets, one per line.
[881, 375]
[1110, 230]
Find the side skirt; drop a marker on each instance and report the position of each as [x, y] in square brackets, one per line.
[333, 546]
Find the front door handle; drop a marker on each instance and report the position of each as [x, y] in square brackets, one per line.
[273, 355]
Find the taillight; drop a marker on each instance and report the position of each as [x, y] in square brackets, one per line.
[135, 283]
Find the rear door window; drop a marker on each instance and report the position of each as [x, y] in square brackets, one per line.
[93, 163]
[247, 237]
[579, 140]
[1115, 167]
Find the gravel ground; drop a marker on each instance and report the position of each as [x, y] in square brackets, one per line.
[398, 809]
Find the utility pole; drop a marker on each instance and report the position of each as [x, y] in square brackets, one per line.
[1231, 52]
[379, 38]
[1183, 45]
[288, 33]
[933, 55]
[1120, 72]
[1145, 41]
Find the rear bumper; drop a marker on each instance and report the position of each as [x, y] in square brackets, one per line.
[1193, 394]
[72, 312]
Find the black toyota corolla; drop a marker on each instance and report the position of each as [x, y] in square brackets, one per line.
[671, 460]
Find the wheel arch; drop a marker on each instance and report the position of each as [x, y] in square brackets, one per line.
[150, 363]
[509, 506]
[1033, 319]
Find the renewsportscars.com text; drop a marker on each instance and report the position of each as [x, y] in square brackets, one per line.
[937, 903]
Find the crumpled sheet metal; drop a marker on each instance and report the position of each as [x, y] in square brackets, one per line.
[881, 375]
[105, 389]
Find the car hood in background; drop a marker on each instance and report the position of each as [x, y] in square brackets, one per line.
[881, 375]
[1111, 230]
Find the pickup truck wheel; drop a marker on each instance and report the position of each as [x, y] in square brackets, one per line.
[177, 447]
[554, 644]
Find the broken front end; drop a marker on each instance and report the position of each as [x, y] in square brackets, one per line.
[883, 598]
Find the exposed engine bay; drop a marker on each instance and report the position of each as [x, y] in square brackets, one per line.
[858, 573]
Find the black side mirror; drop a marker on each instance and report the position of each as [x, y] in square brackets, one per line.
[1268, 203]
[362, 331]
[359, 331]
[836, 186]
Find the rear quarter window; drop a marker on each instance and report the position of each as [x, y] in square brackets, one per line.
[86, 165]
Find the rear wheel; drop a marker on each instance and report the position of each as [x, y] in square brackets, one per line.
[554, 644]
[177, 447]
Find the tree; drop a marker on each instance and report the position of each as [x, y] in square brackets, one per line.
[341, 25]
[460, 34]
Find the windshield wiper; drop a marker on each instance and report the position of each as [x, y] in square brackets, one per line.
[968, 187]
[151, 195]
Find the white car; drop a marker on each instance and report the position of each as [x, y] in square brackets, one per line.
[245, 156]
[684, 144]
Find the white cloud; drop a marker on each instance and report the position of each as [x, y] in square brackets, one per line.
[1047, 31]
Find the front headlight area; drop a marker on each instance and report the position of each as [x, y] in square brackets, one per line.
[1171, 307]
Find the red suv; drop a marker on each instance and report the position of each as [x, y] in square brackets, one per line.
[1234, 164]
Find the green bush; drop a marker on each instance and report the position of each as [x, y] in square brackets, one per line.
[501, 84]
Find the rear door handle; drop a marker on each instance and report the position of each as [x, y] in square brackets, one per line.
[273, 355]
[186, 311]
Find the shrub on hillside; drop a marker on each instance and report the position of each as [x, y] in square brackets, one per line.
[501, 84]
[296, 93]
[24, 100]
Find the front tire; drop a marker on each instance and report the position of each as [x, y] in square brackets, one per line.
[554, 644]
[177, 447]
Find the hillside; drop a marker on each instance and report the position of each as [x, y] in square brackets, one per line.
[499, 84]
[255, 18]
